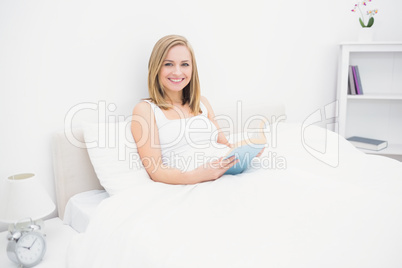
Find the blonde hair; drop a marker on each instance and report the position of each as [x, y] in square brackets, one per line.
[191, 93]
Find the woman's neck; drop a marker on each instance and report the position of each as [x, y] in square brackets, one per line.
[174, 99]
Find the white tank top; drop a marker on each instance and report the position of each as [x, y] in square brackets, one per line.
[189, 142]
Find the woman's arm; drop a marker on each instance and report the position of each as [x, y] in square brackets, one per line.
[146, 136]
[221, 136]
[211, 116]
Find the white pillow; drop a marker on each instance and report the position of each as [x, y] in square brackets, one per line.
[113, 153]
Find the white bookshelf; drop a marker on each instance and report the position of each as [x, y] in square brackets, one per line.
[384, 96]
[377, 113]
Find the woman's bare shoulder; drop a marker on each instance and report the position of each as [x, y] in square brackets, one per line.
[142, 108]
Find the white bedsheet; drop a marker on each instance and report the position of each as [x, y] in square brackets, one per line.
[80, 207]
[306, 215]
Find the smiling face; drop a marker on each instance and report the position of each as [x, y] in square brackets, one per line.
[176, 69]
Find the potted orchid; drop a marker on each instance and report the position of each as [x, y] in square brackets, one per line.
[369, 13]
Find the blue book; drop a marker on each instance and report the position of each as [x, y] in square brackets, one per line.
[245, 153]
[246, 150]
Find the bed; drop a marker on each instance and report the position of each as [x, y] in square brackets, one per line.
[311, 200]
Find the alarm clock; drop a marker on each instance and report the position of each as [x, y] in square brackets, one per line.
[26, 244]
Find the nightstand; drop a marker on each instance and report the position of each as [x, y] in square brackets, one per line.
[58, 237]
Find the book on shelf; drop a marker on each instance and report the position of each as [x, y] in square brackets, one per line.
[351, 82]
[354, 83]
[358, 80]
[355, 79]
[367, 143]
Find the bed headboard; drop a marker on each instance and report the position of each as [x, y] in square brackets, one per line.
[73, 170]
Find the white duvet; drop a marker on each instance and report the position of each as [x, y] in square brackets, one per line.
[304, 213]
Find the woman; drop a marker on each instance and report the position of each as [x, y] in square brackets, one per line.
[176, 123]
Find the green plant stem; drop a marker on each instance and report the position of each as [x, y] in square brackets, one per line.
[361, 13]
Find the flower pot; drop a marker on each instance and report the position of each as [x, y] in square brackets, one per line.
[366, 34]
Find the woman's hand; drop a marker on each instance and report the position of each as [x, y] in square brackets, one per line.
[213, 170]
[230, 145]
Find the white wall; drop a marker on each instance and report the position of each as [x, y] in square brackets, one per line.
[55, 54]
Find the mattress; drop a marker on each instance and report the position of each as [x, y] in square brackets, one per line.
[81, 207]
